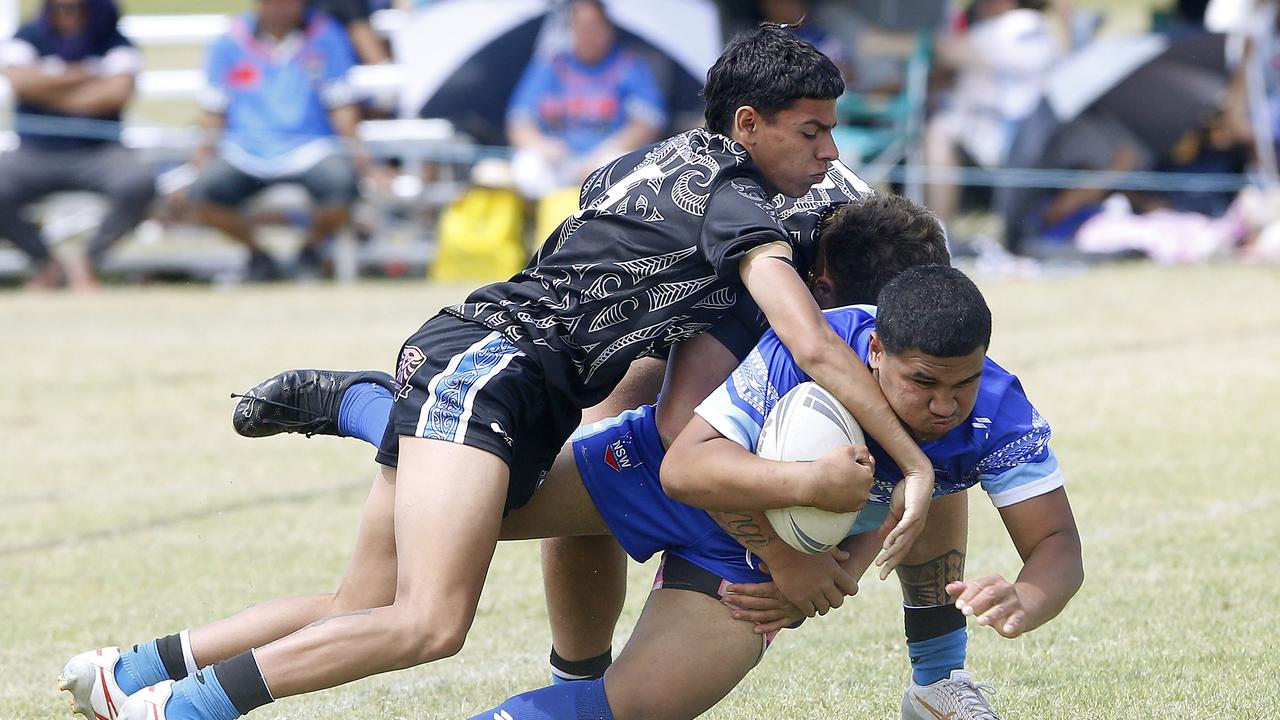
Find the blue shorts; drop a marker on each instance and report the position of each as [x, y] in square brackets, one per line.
[619, 459]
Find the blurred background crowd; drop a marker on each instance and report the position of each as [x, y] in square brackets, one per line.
[307, 139]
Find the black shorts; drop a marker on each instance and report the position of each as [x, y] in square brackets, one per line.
[461, 382]
[676, 573]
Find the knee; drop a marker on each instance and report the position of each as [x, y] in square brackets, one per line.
[422, 637]
[135, 188]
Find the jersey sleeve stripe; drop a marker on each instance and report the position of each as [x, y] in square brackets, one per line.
[1024, 482]
[729, 420]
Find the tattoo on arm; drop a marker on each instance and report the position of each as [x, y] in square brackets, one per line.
[926, 584]
[743, 528]
[324, 620]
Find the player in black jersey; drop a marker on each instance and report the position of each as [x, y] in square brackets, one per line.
[488, 391]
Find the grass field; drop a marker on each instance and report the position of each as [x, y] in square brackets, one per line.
[132, 510]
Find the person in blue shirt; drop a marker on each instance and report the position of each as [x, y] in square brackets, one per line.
[579, 109]
[927, 347]
[278, 108]
[72, 73]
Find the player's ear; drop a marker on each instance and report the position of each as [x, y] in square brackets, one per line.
[875, 351]
[745, 123]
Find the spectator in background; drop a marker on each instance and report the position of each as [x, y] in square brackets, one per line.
[72, 73]
[277, 92]
[354, 16]
[1002, 62]
[580, 109]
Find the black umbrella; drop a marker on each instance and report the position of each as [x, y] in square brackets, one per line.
[1153, 88]
[465, 57]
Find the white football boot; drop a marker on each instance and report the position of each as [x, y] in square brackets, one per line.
[148, 703]
[956, 697]
[90, 677]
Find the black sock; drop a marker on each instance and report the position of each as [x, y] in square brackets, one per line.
[588, 669]
[926, 623]
[169, 648]
[242, 681]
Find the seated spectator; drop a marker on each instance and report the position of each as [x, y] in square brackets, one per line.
[1001, 63]
[72, 73]
[277, 92]
[354, 16]
[580, 109]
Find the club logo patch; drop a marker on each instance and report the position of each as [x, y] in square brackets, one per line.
[618, 455]
[411, 358]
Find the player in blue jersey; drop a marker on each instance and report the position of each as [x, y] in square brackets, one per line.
[927, 348]
[490, 389]
[973, 421]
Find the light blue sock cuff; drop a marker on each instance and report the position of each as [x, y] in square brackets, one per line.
[207, 698]
[935, 658]
[140, 667]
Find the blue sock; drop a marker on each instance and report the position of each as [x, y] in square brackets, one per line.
[935, 658]
[193, 699]
[582, 700]
[364, 412]
[139, 668]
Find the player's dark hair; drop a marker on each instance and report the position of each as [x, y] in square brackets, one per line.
[768, 69]
[868, 242]
[935, 310]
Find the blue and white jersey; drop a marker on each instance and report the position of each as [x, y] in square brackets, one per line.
[1003, 444]
[276, 96]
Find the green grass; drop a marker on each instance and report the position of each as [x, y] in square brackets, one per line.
[132, 510]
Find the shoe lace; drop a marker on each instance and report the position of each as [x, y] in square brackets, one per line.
[970, 696]
[310, 427]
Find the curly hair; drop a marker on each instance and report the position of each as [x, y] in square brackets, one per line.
[867, 242]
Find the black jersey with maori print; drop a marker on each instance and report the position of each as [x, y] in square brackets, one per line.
[651, 259]
[802, 218]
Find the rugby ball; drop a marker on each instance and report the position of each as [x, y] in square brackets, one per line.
[805, 424]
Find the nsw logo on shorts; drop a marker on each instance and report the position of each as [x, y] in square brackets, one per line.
[618, 455]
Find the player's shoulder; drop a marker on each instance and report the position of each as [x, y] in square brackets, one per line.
[848, 319]
[999, 385]
[1003, 411]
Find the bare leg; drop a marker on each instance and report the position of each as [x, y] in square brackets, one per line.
[446, 532]
[227, 220]
[585, 578]
[369, 581]
[937, 557]
[325, 221]
[684, 656]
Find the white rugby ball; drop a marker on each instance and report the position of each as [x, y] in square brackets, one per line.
[806, 424]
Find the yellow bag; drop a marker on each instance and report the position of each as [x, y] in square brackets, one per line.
[552, 210]
[480, 237]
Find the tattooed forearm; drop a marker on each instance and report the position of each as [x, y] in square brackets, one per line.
[324, 620]
[743, 527]
[926, 584]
